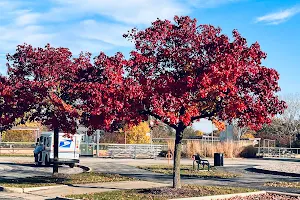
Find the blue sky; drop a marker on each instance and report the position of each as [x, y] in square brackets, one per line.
[98, 25]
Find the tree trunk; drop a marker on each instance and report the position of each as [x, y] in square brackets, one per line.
[55, 160]
[177, 155]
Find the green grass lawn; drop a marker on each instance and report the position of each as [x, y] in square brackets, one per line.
[162, 193]
[86, 177]
[187, 170]
[283, 184]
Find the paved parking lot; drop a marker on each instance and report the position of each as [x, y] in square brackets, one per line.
[127, 167]
[23, 167]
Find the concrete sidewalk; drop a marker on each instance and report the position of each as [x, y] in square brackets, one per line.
[88, 188]
[19, 196]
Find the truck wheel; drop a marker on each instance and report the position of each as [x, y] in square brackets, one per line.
[72, 165]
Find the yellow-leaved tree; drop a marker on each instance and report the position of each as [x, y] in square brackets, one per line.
[22, 135]
[248, 135]
[199, 133]
[138, 134]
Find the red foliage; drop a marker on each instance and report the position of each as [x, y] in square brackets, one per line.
[219, 125]
[43, 78]
[183, 72]
[103, 93]
[9, 109]
[179, 72]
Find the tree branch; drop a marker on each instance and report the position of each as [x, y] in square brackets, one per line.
[159, 118]
[209, 114]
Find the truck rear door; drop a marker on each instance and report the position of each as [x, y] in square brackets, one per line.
[66, 147]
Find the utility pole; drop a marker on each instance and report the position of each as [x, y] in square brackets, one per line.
[55, 160]
[125, 133]
[212, 139]
[151, 124]
[97, 142]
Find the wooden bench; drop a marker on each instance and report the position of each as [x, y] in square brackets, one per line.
[200, 161]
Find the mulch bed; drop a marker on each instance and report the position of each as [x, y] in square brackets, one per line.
[265, 197]
[191, 191]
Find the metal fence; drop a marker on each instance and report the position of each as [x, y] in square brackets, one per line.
[280, 152]
[134, 150]
[17, 148]
[122, 150]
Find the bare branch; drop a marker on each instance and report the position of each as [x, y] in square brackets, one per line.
[159, 118]
[207, 114]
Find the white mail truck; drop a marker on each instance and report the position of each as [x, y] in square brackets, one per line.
[68, 151]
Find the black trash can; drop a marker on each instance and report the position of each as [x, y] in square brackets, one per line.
[218, 159]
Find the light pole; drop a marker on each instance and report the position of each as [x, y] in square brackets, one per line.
[212, 139]
[97, 142]
[151, 123]
[125, 137]
[1, 130]
[151, 127]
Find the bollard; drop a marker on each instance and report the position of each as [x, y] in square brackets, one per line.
[169, 156]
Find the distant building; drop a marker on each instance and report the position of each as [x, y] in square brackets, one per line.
[227, 134]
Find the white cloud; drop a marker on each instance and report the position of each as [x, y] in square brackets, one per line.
[8, 6]
[72, 23]
[69, 36]
[129, 11]
[106, 32]
[12, 36]
[279, 17]
[27, 18]
[210, 3]
[61, 20]
[89, 25]
[204, 125]
[2, 64]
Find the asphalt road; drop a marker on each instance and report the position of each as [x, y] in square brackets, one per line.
[248, 179]
[23, 167]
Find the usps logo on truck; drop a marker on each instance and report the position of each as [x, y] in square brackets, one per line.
[65, 143]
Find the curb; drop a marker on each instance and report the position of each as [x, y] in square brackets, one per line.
[31, 189]
[264, 171]
[85, 168]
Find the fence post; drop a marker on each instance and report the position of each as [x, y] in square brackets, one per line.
[97, 138]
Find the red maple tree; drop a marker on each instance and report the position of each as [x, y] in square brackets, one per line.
[44, 79]
[181, 72]
[62, 91]
[101, 91]
[9, 110]
[178, 73]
